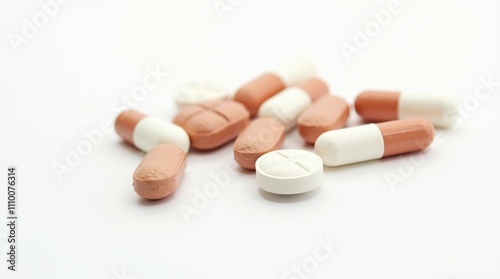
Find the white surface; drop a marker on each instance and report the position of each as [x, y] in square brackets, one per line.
[151, 131]
[439, 109]
[286, 106]
[198, 92]
[441, 220]
[350, 145]
[295, 70]
[289, 171]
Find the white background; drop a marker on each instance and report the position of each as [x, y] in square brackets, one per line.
[441, 221]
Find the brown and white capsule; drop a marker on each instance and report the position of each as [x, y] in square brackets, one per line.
[377, 106]
[327, 113]
[374, 141]
[160, 172]
[145, 132]
[287, 105]
[253, 94]
[213, 124]
[261, 136]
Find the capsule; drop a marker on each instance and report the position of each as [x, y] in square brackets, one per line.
[327, 113]
[145, 132]
[374, 141]
[160, 172]
[287, 105]
[257, 91]
[377, 106]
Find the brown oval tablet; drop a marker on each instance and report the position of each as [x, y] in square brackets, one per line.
[315, 87]
[260, 137]
[213, 124]
[327, 113]
[160, 172]
[257, 91]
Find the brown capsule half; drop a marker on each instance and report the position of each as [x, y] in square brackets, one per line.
[257, 91]
[377, 106]
[327, 113]
[160, 172]
[408, 135]
[261, 136]
[213, 124]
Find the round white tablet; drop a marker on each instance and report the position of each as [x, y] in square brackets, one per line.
[195, 93]
[289, 171]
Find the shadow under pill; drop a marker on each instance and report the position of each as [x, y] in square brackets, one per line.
[289, 198]
[351, 166]
[245, 171]
[145, 202]
[131, 149]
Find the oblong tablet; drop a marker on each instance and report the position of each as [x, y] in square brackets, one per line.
[213, 124]
[261, 136]
[289, 171]
[160, 172]
[327, 113]
[195, 93]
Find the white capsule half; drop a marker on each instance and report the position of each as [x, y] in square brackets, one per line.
[295, 71]
[286, 106]
[151, 131]
[350, 145]
[439, 109]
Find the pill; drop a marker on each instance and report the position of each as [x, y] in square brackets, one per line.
[195, 93]
[287, 105]
[377, 106]
[213, 124]
[145, 132]
[261, 136]
[160, 172]
[327, 113]
[289, 171]
[257, 91]
[373, 141]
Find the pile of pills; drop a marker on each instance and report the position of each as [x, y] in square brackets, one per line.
[259, 116]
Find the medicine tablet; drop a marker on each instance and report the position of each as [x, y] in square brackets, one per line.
[289, 171]
[195, 93]
[257, 91]
[160, 172]
[376, 106]
[374, 141]
[213, 124]
[262, 135]
[145, 132]
[327, 113]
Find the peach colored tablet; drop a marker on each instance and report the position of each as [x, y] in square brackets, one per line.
[327, 113]
[160, 172]
[213, 124]
[261, 136]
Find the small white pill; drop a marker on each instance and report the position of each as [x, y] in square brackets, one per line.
[195, 93]
[289, 171]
